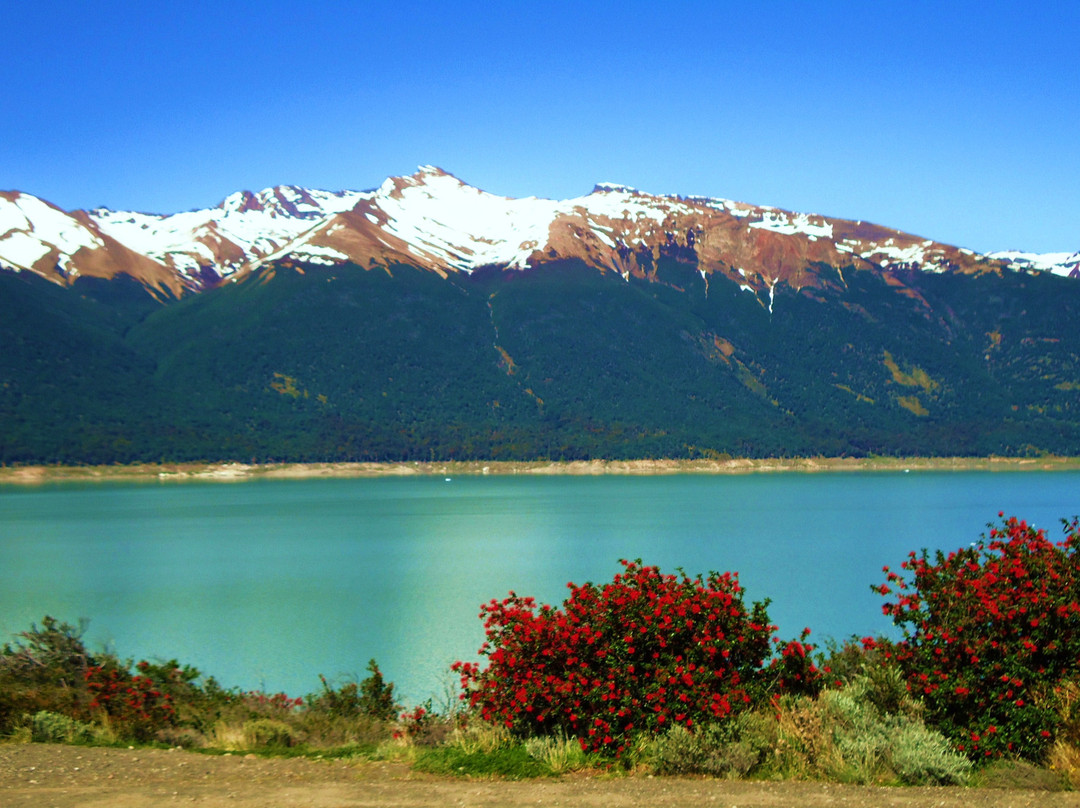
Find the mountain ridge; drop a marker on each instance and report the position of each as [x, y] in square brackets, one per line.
[433, 220]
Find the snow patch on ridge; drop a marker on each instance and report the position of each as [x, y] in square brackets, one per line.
[31, 228]
[245, 226]
[896, 254]
[314, 254]
[461, 226]
[1060, 263]
[794, 224]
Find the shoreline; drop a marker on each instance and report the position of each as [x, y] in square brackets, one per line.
[238, 472]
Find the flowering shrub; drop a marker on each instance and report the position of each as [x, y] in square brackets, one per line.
[989, 633]
[261, 703]
[640, 654]
[135, 706]
[413, 722]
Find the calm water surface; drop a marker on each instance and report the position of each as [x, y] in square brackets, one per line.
[266, 584]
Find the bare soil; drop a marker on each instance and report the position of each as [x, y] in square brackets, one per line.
[43, 775]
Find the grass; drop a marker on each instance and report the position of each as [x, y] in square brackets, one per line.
[509, 762]
[366, 751]
[1019, 774]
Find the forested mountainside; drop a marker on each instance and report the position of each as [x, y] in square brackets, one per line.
[311, 361]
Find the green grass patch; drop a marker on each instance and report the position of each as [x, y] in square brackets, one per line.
[512, 762]
[1019, 774]
[360, 750]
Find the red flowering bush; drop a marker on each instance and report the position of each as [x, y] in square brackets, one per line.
[990, 632]
[640, 654]
[261, 703]
[134, 704]
[413, 722]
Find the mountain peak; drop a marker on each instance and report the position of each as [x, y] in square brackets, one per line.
[425, 176]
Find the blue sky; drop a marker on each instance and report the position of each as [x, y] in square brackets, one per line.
[958, 121]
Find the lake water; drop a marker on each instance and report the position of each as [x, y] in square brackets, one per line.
[265, 584]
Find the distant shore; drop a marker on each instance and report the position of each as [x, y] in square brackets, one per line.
[226, 472]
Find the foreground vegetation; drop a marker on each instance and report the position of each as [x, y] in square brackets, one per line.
[659, 673]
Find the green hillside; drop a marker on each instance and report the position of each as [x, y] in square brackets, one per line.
[558, 362]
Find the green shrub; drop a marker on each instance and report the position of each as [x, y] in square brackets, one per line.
[53, 652]
[712, 749]
[873, 730]
[44, 670]
[921, 756]
[266, 733]
[46, 727]
[858, 737]
[372, 697]
[842, 734]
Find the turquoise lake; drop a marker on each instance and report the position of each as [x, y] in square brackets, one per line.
[266, 584]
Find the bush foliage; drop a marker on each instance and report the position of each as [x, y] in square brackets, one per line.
[991, 635]
[840, 735]
[54, 689]
[638, 655]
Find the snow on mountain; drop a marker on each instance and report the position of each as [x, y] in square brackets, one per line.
[433, 220]
[38, 236]
[242, 228]
[1067, 264]
[462, 227]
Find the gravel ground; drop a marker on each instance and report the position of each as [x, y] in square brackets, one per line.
[44, 775]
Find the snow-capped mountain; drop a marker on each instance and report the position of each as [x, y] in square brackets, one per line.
[41, 238]
[433, 220]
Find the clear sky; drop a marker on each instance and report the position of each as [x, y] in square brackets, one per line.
[958, 121]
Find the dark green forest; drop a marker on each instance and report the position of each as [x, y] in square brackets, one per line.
[559, 362]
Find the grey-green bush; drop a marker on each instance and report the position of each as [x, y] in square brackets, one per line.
[922, 756]
[46, 727]
[721, 750]
[265, 733]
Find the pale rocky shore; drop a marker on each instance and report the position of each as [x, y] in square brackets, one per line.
[233, 472]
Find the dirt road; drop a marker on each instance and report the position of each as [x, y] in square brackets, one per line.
[40, 776]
